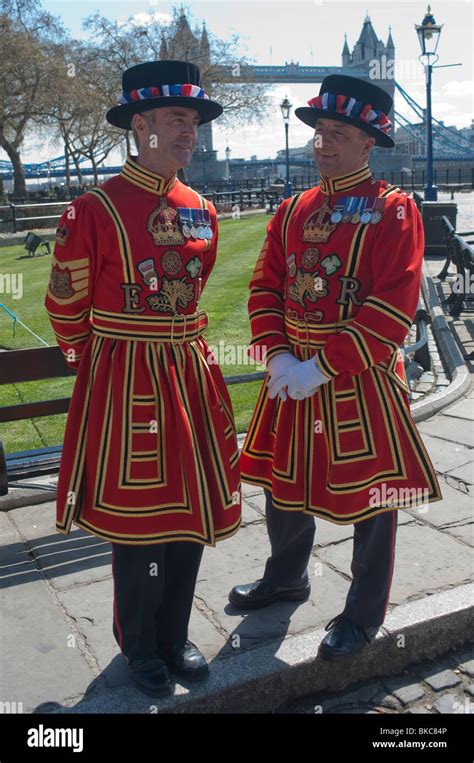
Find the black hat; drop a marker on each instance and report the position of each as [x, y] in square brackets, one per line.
[355, 101]
[155, 84]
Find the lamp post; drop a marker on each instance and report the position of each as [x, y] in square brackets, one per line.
[203, 157]
[227, 165]
[285, 107]
[428, 34]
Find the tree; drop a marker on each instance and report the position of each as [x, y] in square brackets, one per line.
[75, 108]
[26, 34]
[130, 43]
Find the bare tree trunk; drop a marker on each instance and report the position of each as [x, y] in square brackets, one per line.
[68, 167]
[78, 168]
[19, 182]
[94, 167]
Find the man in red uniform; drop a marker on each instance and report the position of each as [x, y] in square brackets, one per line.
[333, 296]
[150, 457]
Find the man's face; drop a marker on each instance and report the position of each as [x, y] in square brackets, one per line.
[171, 132]
[340, 148]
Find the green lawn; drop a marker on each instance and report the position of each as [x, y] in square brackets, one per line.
[224, 299]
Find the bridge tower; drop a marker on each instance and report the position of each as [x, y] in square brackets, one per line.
[371, 54]
[187, 45]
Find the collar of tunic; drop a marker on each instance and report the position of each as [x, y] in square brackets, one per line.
[344, 182]
[145, 178]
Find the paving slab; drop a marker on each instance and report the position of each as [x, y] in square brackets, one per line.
[463, 533]
[327, 598]
[250, 511]
[457, 506]
[247, 550]
[445, 455]
[465, 473]
[65, 559]
[452, 430]
[464, 409]
[36, 662]
[425, 561]
[12, 548]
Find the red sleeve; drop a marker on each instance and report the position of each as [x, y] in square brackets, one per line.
[73, 273]
[385, 317]
[209, 256]
[266, 303]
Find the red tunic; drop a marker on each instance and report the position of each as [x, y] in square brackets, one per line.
[150, 451]
[346, 292]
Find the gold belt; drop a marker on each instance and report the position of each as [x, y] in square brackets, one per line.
[176, 329]
[308, 334]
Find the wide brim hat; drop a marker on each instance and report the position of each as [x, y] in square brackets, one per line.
[354, 101]
[155, 84]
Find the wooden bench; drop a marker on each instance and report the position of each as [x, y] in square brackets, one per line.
[463, 286]
[31, 365]
[451, 252]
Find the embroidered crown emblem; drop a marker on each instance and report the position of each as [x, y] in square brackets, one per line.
[163, 225]
[315, 229]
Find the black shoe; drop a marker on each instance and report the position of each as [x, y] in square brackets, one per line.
[260, 594]
[345, 638]
[185, 661]
[150, 676]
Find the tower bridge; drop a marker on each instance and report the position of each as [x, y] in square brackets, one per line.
[369, 55]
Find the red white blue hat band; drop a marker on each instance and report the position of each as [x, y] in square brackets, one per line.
[358, 110]
[163, 91]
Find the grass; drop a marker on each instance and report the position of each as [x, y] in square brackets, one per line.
[224, 299]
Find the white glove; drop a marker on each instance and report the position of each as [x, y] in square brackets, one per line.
[304, 380]
[277, 368]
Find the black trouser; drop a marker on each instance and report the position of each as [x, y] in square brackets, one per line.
[291, 536]
[153, 595]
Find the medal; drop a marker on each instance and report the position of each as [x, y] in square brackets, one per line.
[361, 202]
[336, 216]
[185, 218]
[349, 209]
[377, 211]
[207, 224]
[366, 217]
[200, 227]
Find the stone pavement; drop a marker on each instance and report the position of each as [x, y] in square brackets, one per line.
[58, 653]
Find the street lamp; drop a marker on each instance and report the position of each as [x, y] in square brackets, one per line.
[203, 157]
[227, 165]
[428, 34]
[285, 107]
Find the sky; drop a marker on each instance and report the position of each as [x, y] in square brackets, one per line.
[310, 32]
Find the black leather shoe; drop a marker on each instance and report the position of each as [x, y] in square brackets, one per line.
[345, 638]
[185, 661]
[260, 594]
[150, 676]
